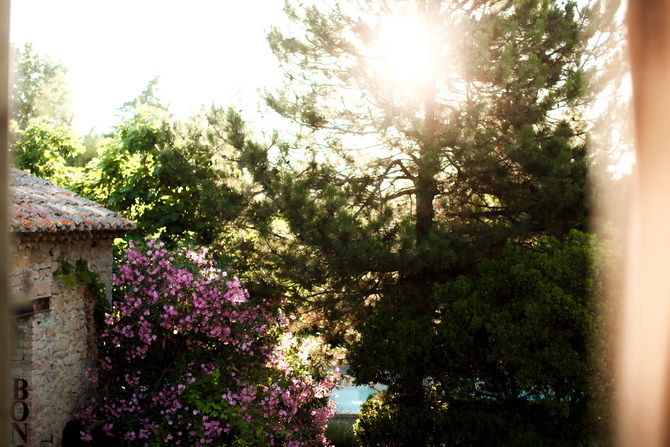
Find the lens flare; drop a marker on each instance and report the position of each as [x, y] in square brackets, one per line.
[405, 51]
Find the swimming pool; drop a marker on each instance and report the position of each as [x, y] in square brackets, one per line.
[349, 398]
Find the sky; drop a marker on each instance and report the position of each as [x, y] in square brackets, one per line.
[205, 51]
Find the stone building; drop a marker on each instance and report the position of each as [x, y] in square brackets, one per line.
[54, 340]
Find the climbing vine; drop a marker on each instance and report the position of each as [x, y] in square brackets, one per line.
[79, 273]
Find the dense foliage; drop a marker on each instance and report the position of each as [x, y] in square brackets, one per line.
[164, 176]
[416, 209]
[41, 140]
[509, 354]
[394, 189]
[189, 358]
[45, 150]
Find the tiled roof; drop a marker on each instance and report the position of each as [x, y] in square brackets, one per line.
[38, 206]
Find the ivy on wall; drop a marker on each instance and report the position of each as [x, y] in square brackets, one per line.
[79, 273]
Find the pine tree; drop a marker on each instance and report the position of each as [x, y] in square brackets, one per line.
[394, 188]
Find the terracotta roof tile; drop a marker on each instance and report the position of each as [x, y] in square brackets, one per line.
[38, 206]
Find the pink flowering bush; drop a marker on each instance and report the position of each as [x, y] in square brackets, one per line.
[188, 358]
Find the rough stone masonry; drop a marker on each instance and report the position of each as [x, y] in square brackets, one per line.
[54, 337]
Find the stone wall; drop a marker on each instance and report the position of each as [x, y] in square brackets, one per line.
[54, 341]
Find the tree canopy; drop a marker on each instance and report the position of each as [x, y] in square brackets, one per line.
[41, 139]
[396, 190]
[38, 88]
[393, 190]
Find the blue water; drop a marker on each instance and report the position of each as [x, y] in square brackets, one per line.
[349, 399]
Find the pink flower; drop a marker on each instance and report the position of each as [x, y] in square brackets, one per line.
[185, 331]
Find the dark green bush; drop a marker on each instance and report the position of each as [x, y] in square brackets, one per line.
[467, 422]
[505, 356]
[387, 419]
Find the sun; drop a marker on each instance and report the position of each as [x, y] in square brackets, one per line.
[404, 47]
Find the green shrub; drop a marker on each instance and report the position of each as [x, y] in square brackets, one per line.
[384, 421]
[506, 355]
[467, 422]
